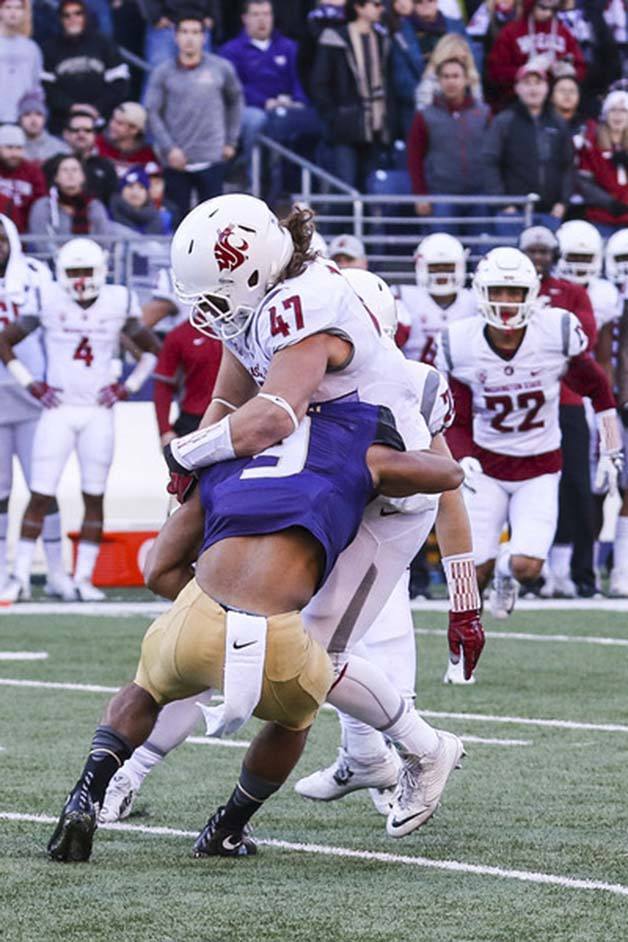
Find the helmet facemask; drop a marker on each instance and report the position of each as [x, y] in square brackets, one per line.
[578, 268]
[507, 314]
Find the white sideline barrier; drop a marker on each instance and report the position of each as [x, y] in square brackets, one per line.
[136, 497]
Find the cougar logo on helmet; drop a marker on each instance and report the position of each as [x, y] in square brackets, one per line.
[229, 257]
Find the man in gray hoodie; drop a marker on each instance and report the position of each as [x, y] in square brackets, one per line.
[194, 105]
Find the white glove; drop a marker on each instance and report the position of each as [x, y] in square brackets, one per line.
[607, 473]
[471, 467]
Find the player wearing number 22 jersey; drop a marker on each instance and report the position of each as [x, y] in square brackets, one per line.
[505, 369]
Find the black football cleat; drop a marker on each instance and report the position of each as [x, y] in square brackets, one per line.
[72, 839]
[217, 841]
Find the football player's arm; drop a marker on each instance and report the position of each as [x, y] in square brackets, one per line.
[622, 365]
[460, 433]
[273, 414]
[168, 567]
[233, 387]
[403, 473]
[604, 350]
[156, 309]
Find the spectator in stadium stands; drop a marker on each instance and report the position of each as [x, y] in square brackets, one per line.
[21, 181]
[162, 15]
[20, 59]
[124, 142]
[157, 190]
[133, 207]
[528, 149]
[81, 66]
[451, 46]
[194, 104]
[536, 33]
[350, 87]
[587, 23]
[40, 143]
[266, 64]
[565, 100]
[80, 135]
[487, 21]
[347, 251]
[188, 365]
[445, 146]
[68, 209]
[603, 167]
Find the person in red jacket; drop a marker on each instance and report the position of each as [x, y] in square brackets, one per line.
[188, 362]
[604, 163]
[536, 34]
[576, 527]
[21, 181]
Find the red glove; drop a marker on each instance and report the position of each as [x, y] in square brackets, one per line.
[46, 394]
[109, 395]
[181, 485]
[466, 637]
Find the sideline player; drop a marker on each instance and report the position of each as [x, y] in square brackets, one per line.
[235, 626]
[21, 279]
[506, 367]
[82, 319]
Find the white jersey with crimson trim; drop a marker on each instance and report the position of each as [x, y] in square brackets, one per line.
[29, 351]
[605, 301]
[318, 301]
[427, 318]
[432, 389]
[81, 343]
[515, 401]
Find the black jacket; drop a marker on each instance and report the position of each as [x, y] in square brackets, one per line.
[334, 87]
[524, 156]
[87, 69]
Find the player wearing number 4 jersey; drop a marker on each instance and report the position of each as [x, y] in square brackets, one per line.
[81, 319]
[506, 368]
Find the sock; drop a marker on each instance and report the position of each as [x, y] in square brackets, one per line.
[411, 734]
[53, 547]
[145, 758]
[560, 560]
[502, 565]
[246, 798]
[620, 547]
[108, 753]
[24, 553]
[4, 526]
[362, 742]
[85, 561]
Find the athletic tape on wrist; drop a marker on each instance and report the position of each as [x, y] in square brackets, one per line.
[608, 429]
[20, 373]
[281, 402]
[204, 447]
[462, 583]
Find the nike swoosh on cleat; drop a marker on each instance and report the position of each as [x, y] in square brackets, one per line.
[228, 845]
[246, 644]
[396, 824]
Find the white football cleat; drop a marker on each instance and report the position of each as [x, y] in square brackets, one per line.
[119, 799]
[382, 799]
[348, 775]
[503, 595]
[86, 592]
[60, 586]
[619, 584]
[14, 591]
[421, 785]
[455, 673]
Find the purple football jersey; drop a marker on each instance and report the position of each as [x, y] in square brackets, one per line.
[316, 479]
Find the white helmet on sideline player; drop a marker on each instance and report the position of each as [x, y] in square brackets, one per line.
[226, 254]
[377, 297]
[580, 251]
[443, 250]
[81, 268]
[616, 258]
[506, 268]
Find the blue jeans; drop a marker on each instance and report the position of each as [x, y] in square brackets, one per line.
[183, 185]
[514, 230]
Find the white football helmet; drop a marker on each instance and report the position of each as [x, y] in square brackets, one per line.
[226, 254]
[440, 249]
[376, 295]
[580, 251]
[616, 258]
[81, 269]
[506, 268]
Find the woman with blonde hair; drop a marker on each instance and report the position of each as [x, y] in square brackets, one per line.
[451, 47]
[603, 170]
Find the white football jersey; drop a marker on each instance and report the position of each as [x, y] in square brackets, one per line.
[515, 401]
[164, 291]
[80, 343]
[29, 351]
[320, 300]
[432, 390]
[427, 318]
[605, 301]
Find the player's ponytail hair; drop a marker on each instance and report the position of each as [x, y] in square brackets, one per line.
[300, 224]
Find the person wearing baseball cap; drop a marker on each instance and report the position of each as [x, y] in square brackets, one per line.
[124, 142]
[21, 181]
[40, 143]
[347, 251]
[132, 206]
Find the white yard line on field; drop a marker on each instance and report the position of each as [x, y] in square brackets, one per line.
[53, 685]
[243, 744]
[347, 853]
[536, 605]
[23, 655]
[530, 636]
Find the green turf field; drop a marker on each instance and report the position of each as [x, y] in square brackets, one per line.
[557, 805]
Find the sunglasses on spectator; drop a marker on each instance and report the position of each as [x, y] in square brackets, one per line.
[72, 14]
[81, 130]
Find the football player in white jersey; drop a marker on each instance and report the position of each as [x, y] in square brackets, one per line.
[616, 264]
[293, 328]
[21, 279]
[81, 319]
[580, 257]
[439, 296]
[163, 310]
[505, 367]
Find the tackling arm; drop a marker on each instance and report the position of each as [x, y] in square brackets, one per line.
[403, 473]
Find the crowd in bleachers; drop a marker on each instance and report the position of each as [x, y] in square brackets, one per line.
[497, 98]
